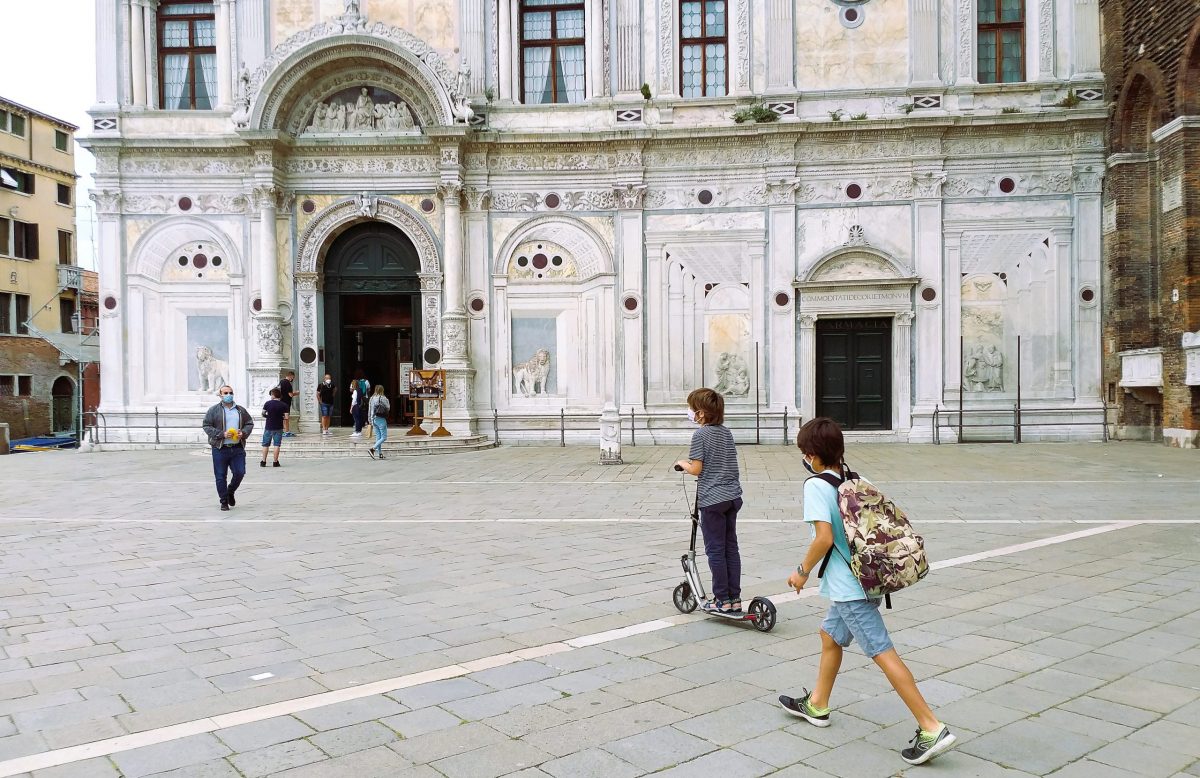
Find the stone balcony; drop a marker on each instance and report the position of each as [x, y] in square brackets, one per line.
[70, 277]
[1142, 373]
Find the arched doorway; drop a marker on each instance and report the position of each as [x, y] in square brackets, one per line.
[62, 399]
[372, 311]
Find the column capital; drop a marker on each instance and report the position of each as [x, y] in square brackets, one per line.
[929, 184]
[450, 192]
[782, 191]
[629, 196]
[306, 282]
[477, 199]
[266, 196]
[108, 201]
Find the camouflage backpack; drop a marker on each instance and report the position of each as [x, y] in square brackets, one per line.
[885, 554]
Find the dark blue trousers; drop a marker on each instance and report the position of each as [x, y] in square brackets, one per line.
[718, 523]
[225, 459]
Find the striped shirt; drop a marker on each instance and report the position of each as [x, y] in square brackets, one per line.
[713, 445]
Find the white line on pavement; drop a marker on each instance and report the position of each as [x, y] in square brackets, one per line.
[1143, 481]
[115, 745]
[542, 520]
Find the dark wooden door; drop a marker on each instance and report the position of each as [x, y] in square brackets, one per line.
[854, 386]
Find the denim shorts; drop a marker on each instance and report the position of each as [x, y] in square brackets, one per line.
[272, 435]
[326, 409]
[858, 620]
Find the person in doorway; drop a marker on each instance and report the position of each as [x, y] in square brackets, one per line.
[325, 394]
[713, 460]
[378, 410]
[364, 393]
[356, 409]
[276, 413]
[852, 615]
[287, 390]
[227, 426]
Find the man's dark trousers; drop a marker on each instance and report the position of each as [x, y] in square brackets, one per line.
[228, 458]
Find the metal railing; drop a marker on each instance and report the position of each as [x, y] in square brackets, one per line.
[633, 422]
[954, 419]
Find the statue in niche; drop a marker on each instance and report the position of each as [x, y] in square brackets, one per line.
[320, 121]
[733, 376]
[364, 111]
[531, 375]
[338, 120]
[352, 8]
[214, 373]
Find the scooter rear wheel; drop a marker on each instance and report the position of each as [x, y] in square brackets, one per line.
[684, 600]
[763, 611]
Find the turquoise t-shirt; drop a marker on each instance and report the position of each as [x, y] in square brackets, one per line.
[821, 504]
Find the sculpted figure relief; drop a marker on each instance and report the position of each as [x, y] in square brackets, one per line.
[733, 377]
[530, 376]
[363, 115]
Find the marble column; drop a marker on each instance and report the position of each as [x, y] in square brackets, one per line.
[268, 249]
[224, 56]
[808, 366]
[125, 87]
[452, 262]
[923, 43]
[1060, 248]
[629, 47]
[107, 53]
[902, 333]
[631, 275]
[1085, 41]
[781, 44]
[1088, 264]
[137, 46]
[458, 414]
[149, 39]
[965, 31]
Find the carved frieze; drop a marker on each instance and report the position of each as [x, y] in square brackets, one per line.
[199, 163]
[371, 165]
[270, 337]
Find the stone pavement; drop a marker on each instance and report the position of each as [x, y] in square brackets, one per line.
[507, 612]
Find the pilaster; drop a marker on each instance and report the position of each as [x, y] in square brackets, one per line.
[1088, 262]
[808, 366]
[629, 47]
[631, 305]
[781, 44]
[108, 48]
[779, 351]
[927, 252]
[113, 321]
[224, 56]
[252, 37]
[965, 33]
[1085, 42]
[923, 42]
[137, 47]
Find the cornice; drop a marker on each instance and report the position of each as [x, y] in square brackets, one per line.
[21, 162]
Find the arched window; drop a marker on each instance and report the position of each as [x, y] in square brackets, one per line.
[703, 48]
[187, 55]
[552, 51]
[1001, 52]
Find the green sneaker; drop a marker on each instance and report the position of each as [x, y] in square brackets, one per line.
[800, 707]
[925, 747]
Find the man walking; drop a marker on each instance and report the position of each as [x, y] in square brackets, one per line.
[325, 395]
[227, 426]
[287, 390]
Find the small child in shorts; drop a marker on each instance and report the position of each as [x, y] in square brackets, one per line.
[852, 615]
[712, 458]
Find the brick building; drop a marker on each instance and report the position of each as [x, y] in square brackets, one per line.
[1151, 60]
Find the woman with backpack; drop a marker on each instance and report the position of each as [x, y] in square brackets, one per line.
[378, 409]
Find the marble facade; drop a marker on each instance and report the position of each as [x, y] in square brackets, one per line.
[693, 250]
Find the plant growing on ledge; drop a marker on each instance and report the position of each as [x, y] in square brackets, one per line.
[645, 91]
[836, 114]
[1070, 101]
[1010, 109]
[489, 94]
[858, 117]
[907, 107]
[757, 113]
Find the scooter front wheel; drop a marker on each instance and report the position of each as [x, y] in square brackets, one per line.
[763, 612]
[684, 600]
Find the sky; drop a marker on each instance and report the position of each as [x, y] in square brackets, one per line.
[48, 63]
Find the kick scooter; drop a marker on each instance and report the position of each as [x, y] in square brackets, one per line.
[688, 594]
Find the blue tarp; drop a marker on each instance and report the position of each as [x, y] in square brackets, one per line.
[42, 444]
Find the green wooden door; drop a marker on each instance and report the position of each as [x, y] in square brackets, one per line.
[854, 385]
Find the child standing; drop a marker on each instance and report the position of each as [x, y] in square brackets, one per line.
[712, 458]
[276, 413]
[852, 615]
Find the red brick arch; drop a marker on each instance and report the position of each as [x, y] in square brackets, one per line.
[1141, 108]
[1187, 90]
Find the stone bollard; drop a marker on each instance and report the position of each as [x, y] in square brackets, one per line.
[610, 436]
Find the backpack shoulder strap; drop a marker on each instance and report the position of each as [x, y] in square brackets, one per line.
[835, 482]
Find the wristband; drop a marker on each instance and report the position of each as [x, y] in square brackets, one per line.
[801, 571]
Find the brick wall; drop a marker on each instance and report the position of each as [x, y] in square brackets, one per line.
[28, 416]
[1152, 260]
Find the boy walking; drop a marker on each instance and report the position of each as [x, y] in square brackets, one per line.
[276, 412]
[852, 615]
[712, 458]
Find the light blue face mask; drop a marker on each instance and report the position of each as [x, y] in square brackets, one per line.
[227, 399]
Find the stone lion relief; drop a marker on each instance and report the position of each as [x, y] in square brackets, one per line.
[214, 373]
[530, 376]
